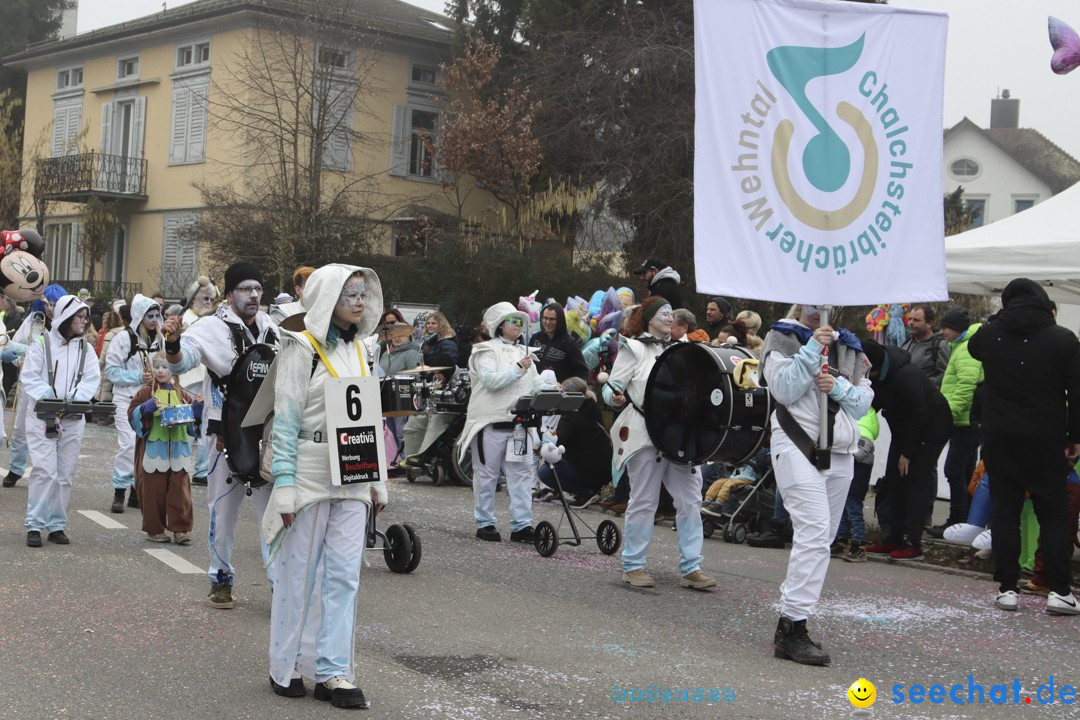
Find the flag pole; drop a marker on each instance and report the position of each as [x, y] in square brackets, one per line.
[824, 459]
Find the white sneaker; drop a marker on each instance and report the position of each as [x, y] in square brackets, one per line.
[963, 532]
[1062, 604]
[1008, 600]
[983, 541]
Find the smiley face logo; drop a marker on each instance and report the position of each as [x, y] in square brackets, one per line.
[862, 693]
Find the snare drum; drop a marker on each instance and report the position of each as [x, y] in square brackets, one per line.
[696, 413]
[397, 396]
[173, 415]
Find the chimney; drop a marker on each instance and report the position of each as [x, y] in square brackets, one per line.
[1005, 111]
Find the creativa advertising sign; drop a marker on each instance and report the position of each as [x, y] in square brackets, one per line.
[818, 151]
[354, 421]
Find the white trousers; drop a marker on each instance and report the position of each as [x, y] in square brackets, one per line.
[124, 464]
[815, 500]
[520, 478]
[54, 461]
[313, 612]
[225, 499]
[20, 454]
[684, 484]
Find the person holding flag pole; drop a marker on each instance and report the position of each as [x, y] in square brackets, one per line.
[818, 380]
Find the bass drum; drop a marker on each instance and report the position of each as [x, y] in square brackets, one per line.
[696, 413]
[242, 443]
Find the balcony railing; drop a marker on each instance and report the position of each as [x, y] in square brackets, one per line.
[77, 178]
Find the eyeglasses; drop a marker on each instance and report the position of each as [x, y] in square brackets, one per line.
[515, 321]
[249, 289]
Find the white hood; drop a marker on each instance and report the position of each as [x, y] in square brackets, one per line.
[498, 313]
[139, 307]
[666, 273]
[321, 292]
[64, 309]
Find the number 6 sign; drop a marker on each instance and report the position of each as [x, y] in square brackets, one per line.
[354, 422]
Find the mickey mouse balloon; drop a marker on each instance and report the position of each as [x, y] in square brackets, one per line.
[23, 274]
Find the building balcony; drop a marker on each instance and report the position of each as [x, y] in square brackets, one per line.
[77, 178]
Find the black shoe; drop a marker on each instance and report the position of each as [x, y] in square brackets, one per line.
[791, 642]
[133, 499]
[938, 531]
[294, 689]
[771, 538]
[10, 479]
[200, 480]
[59, 537]
[341, 693]
[488, 532]
[117, 501]
[33, 539]
[524, 535]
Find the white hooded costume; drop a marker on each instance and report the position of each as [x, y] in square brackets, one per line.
[317, 560]
[125, 363]
[75, 378]
[498, 380]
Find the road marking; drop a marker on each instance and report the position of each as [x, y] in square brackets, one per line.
[174, 561]
[103, 520]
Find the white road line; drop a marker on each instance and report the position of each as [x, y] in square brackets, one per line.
[103, 520]
[174, 561]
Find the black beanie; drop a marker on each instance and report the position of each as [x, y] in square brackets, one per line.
[956, 318]
[238, 272]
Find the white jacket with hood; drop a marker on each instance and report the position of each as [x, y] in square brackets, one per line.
[65, 357]
[123, 368]
[301, 467]
[497, 379]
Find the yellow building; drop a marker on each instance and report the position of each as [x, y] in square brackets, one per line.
[139, 112]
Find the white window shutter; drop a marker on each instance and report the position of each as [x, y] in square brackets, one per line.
[179, 257]
[197, 108]
[138, 127]
[180, 119]
[399, 143]
[337, 128]
[59, 131]
[74, 127]
[106, 128]
[75, 255]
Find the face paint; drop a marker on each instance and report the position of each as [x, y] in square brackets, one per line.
[353, 294]
[660, 324]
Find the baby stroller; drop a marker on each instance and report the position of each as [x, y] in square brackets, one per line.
[749, 508]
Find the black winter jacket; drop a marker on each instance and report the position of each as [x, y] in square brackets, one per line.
[588, 446]
[1032, 368]
[916, 410]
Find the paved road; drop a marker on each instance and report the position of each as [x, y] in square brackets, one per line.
[102, 630]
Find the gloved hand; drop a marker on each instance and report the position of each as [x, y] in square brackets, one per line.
[149, 407]
[552, 454]
[864, 453]
[284, 499]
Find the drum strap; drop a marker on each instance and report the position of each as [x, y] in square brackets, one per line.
[322, 356]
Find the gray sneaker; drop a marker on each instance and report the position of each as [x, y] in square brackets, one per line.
[1062, 604]
[221, 596]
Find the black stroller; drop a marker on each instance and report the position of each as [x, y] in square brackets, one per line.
[751, 505]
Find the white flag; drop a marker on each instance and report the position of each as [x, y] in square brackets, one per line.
[818, 151]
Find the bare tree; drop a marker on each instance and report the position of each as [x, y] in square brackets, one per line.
[299, 189]
[99, 220]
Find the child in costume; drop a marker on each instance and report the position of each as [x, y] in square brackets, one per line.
[163, 457]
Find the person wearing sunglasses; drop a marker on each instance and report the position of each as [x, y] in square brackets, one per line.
[501, 370]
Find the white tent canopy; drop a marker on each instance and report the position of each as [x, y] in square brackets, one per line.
[1042, 243]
